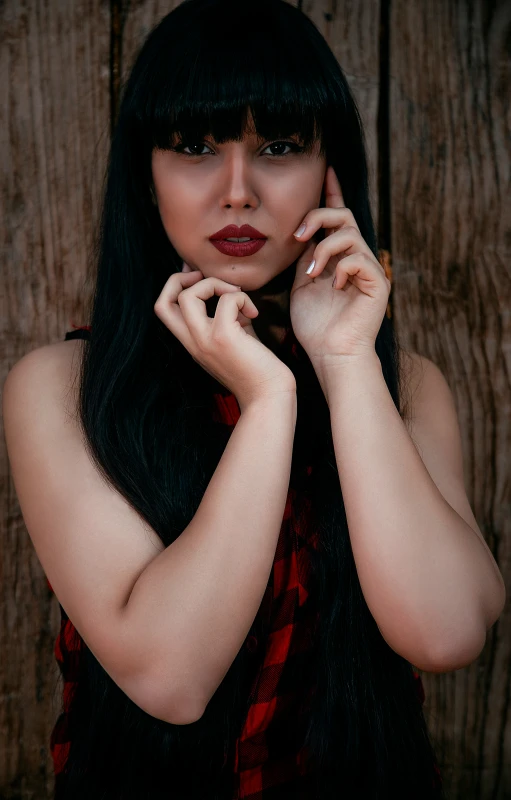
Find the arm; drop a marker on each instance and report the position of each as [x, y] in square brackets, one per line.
[430, 581]
[193, 605]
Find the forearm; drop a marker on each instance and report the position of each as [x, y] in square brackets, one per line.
[194, 604]
[423, 571]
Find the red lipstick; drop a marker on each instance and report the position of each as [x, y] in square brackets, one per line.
[239, 249]
[231, 231]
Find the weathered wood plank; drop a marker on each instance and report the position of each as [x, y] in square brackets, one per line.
[54, 129]
[141, 18]
[451, 249]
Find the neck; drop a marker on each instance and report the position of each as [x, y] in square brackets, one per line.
[273, 319]
[272, 301]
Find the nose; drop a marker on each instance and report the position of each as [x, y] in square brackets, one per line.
[238, 182]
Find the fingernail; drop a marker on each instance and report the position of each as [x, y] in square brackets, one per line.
[300, 230]
[311, 267]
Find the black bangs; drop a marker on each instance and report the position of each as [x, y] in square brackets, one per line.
[239, 60]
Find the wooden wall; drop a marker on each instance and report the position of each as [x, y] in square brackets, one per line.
[432, 80]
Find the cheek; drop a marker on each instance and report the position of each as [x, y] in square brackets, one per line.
[173, 216]
[311, 193]
[180, 225]
[178, 203]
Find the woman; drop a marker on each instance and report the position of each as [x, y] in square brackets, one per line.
[216, 641]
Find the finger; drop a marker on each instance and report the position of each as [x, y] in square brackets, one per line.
[332, 218]
[175, 285]
[333, 191]
[361, 268]
[301, 278]
[229, 307]
[347, 241]
[192, 303]
[167, 309]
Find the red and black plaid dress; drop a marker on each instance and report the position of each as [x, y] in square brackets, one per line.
[265, 758]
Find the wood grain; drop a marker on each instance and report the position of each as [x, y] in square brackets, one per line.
[54, 119]
[451, 249]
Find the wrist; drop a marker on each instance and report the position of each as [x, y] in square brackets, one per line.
[275, 399]
[338, 369]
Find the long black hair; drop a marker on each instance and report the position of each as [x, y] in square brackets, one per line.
[145, 409]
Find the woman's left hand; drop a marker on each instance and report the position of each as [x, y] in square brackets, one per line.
[333, 324]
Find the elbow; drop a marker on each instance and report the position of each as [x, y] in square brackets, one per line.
[461, 651]
[447, 652]
[176, 710]
[456, 654]
[170, 705]
[496, 603]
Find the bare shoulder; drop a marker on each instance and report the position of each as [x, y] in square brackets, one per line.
[62, 353]
[57, 355]
[50, 372]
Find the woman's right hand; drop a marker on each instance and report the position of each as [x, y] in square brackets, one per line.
[226, 346]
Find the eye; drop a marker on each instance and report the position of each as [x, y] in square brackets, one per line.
[295, 148]
[181, 146]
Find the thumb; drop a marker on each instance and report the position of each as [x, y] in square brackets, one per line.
[185, 267]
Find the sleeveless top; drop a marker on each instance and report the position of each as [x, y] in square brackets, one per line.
[264, 753]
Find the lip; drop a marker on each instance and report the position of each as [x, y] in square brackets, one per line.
[231, 231]
[238, 249]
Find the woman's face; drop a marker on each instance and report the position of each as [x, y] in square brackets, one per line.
[263, 184]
